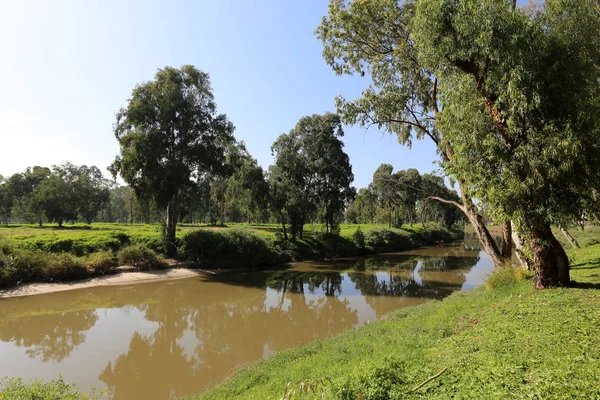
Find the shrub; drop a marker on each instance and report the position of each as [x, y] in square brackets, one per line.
[358, 238]
[63, 267]
[386, 240]
[16, 388]
[506, 276]
[102, 262]
[235, 248]
[368, 382]
[140, 257]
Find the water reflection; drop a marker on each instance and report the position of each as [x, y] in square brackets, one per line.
[164, 339]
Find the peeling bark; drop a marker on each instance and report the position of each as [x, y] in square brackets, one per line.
[524, 260]
[549, 257]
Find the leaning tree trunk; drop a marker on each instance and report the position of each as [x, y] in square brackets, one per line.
[523, 258]
[549, 258]
[484, 236]
[570, 238]
[507, 240]
[486, 239]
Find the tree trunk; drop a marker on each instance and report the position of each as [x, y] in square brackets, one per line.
[524, 260]
[486, 239]
[507, 240]
[60, 222]
[285, 236]
[131, 210]
[171, 225]
[570, 238]
[549, 258]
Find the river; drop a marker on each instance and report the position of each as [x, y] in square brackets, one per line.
[175, 338]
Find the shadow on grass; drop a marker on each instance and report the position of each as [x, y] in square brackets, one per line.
[584, 285]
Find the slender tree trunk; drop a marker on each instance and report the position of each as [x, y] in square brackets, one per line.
[131, 210]
[524, 260]
[285, 235]
[570, 238]
[507, 240]
[549, 258]
[171, 225]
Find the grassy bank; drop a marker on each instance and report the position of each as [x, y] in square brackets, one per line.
[504, 340]
[44, 254]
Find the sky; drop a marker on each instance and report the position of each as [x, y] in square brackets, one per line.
[68, 66]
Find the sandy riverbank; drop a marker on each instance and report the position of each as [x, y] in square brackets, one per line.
[123, 278]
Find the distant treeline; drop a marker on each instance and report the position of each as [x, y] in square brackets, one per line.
[70, 193]
[310, 182]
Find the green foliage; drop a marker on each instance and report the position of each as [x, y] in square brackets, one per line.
[372, 382]
[312, 174]
[385, 240]
[504, 277]
[235, 248]
[170, 135]
[141, 257]
[473, 77]
[102, 262]
[16, 388]
[358, 238]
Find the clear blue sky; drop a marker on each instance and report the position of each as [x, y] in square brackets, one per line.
[67, 67]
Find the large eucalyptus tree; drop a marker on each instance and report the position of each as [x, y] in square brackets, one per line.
[169, 134]
[510, 96]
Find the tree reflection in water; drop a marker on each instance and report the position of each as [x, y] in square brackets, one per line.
[49, 337]
[210, 326]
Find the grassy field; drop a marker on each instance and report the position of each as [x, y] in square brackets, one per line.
[503, 340]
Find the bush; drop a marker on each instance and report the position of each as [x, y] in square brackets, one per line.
[370, 382]
[506, 276]
[63, 267]
[102, 262]
[16, 388]
[385, 240]
[358, 238]
[140, 257]
[235, 248]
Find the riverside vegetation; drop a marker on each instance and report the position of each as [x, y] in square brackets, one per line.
[29, 253]
[472, 345]
[469, 345]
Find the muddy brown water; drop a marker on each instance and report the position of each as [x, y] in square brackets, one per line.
[175, 338]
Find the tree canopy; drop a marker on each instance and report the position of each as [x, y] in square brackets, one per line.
[169, 134]
[473, 77]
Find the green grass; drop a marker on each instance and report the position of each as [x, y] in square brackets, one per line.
[500, 341]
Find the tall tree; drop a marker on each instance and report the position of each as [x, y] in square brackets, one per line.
[57, 196]
[6, 201]
[312, 172]
[169, 134]
[473, 77]
[92, 192]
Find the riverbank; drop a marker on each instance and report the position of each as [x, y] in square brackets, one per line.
[502, 340]
[122, 278]
[29, 259]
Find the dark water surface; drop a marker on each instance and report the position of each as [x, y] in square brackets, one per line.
[174, 338]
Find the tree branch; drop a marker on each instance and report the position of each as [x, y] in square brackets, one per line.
[454, 203]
